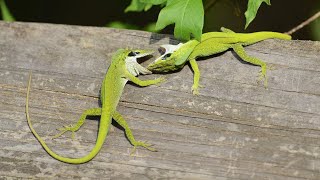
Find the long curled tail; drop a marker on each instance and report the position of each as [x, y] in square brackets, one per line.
[100, 140]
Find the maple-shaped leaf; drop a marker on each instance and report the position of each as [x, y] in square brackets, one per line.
[253, 6]
[187, 15]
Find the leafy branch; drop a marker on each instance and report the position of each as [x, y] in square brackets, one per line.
[187, 15]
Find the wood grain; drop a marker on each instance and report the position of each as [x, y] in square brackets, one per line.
[235, 128]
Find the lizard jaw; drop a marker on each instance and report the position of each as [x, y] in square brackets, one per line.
[167, 49]
[134, 67]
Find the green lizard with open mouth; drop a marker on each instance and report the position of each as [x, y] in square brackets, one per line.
[123, 68]
[174, 57]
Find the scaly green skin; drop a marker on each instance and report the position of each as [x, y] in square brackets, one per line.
[212, 43]
[123, 68]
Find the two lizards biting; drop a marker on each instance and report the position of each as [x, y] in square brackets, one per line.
[124, 68]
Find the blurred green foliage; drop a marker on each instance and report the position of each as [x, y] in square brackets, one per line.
[315, 25]
[121, 25]
[6, 15]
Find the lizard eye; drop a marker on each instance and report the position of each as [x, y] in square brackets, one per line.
[131, 54]
[166, 56]
[162, 50]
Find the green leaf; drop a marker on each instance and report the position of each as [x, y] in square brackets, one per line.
[253, 6]
[137, 5]
[6, 15]
[187, 15]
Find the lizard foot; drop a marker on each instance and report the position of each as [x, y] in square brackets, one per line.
[195, 89]
[271, 67]
[263, 74]
[143, 144]
[263, 77]
[160, 80]
[64, 130]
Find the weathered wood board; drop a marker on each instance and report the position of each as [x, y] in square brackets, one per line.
[235, 128]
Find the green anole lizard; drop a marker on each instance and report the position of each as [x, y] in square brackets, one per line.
[123, 67]
[174, 57]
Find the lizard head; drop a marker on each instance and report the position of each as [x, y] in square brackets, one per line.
[173, 57]
[131, 63]
[167, 61]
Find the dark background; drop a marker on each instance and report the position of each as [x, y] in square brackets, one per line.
[281, 16]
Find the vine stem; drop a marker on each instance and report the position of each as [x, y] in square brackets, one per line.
[306, 22]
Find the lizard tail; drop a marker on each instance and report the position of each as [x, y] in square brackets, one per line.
[260, 36]
[100, 140]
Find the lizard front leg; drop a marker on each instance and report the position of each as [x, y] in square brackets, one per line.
[238, 48]
[75, 127]
[144, 83]
[123, 123]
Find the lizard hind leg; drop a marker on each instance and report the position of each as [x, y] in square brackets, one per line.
[196, 77]
[205, 48]
[75, 127]
[238, 48]
[122, 122]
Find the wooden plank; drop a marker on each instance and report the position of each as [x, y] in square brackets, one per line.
[235, 128]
